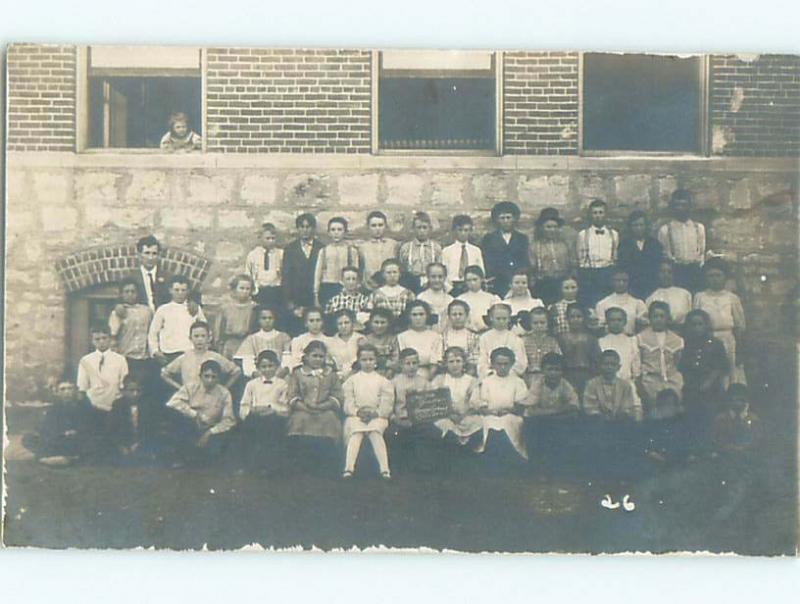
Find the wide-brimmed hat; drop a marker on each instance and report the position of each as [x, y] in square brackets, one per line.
[549, 214]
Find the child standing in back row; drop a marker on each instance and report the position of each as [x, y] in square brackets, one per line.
[334, 257]
[597, 254]
[416, 254]
[460, 254]
[263, 264]
[375, 250]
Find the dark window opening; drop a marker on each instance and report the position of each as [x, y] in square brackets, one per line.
[437, 109]
[637, 102]
[133, 112]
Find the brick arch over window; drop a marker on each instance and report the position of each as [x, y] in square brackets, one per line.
[110, 264]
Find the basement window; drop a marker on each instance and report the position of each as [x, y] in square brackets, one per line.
[648, 104]
[437, 102]
[133, 92]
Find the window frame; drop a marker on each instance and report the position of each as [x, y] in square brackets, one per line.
[703, 134]
[375, 117]
[82, 109]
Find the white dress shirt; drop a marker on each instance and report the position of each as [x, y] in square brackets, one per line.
[100, 376]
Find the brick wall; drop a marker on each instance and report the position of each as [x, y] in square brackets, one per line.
[755, 105]
[290, 101]
[41, 97]
[540, 103]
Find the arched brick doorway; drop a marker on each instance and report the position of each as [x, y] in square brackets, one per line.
[90, 279]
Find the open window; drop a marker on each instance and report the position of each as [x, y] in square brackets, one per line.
[133, 91]
[436, 102]
[645, 104]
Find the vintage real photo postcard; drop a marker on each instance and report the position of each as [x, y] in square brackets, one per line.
[476, 301]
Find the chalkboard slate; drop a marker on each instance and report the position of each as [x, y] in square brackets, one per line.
[428, 405]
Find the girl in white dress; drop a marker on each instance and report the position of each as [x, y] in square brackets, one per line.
[727, 316]
[519, 298]
[478, 300]
[368, 403]
[464, 420]
[344, 345]
[500, 335]
[313, 320]
[420, 337]
[435, 294]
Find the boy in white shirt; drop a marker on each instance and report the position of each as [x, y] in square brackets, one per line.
[597, 254]
[635, 310]
[460, 254]
[624, 345]
[263, 264]
[263, 411]
[168, 337]
[684, 242]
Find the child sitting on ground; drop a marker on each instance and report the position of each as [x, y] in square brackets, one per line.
[501, 336]
[549, 411]
[234, 320]
[266, 338]
[187, 366]
[344, 345]
[263, 411]
[736, 428]
[65, 434]
[435, 295]
[368, 403]
[580, 349]
[457, 334]
[205, 414]
[536, 340]
[315, 399]
[520, 300]
[180, 137]
[477, 299]
[463, 421]
[501, 392]
[391, 295]
[420, 337]
[627, 347]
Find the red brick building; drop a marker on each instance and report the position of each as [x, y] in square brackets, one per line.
[346, 131]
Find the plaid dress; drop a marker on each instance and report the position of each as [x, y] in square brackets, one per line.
[395, 298]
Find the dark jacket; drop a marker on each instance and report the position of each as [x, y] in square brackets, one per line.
[641, 265]
[502, 259]
[297, 273]
[161, 293]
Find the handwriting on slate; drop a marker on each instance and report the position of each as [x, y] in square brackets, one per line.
[627, 505]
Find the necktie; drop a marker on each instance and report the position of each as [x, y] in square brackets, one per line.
[152, 288]
[463, 262]
[101, 363]
[266, 260]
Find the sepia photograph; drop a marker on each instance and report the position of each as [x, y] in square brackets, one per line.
[517, 301]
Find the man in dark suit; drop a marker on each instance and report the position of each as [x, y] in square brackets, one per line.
[151, 280]
[297, 270]
[505, 249]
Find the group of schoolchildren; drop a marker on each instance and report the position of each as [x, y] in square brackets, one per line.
[607, 346]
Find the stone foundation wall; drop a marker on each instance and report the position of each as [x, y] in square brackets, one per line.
[59, 204]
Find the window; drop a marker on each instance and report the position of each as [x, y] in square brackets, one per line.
[133, 91]
[437, 101]
[643, 103]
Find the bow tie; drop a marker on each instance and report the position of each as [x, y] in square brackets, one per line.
[600, 231]
[267, 381]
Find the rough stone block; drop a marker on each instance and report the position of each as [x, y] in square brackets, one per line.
[185, 219]
[95, 185]
[738, 234]
[447, 189]
[404, 189]
[127, 217]
[537, 192]
[259, 189]
[58, 218]
[52, 186]
[235, 219]
[308, 189]
[666, 186]
[359, 190]
[633, 189]
[204, 189]
[488, 189]
[227, 251]
[590, 186]
[147, 185]
[740, 198]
